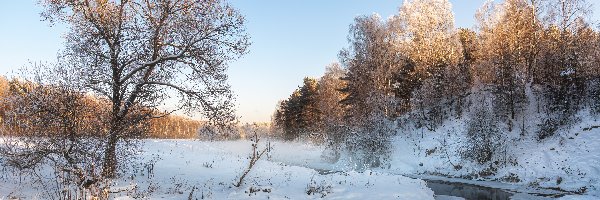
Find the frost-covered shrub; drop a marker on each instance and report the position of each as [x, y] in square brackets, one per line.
[55, 136]
[547, 129]
[330, 154]
[370, 147]
[561, 105]
[322, 189]
[53, 129]
[483, 137]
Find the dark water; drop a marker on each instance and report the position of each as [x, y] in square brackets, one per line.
[467, 191]
[471, 191]
[326, 171]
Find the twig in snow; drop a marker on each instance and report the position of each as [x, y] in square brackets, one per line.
[256, 155]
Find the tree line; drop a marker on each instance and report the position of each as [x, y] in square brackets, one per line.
[417, 66]
[18, 95]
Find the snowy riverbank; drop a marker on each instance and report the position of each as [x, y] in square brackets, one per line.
[210, 169]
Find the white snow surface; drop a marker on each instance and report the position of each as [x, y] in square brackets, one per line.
[211, 168]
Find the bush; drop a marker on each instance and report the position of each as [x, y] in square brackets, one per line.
[58, 133]
[321, 189]
[56, 128]
[483, 137]
[370, 147]
[547, 129]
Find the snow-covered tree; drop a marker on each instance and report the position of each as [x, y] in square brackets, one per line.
[371, 63]
[566, 68]
[508, 39]
[424, 30]
[140, 52]
[328, 103]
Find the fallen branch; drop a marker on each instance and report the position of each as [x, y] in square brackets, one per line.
[590, 128]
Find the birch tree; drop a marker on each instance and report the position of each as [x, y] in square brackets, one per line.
[369, 103]
[370, 62]
[424, 30]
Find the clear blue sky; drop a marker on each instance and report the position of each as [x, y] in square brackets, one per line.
[291, 39]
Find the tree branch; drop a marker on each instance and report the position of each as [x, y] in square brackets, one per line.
[152, 63]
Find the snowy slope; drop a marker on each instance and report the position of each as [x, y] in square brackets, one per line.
[568, 161]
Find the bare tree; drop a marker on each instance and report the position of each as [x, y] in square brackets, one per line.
[254, 157]
[142, 52]
[566, 13]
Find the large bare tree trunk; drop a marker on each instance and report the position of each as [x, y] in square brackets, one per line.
[110, 159]
[109, 166]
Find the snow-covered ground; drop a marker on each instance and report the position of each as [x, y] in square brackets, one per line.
[210, 169]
